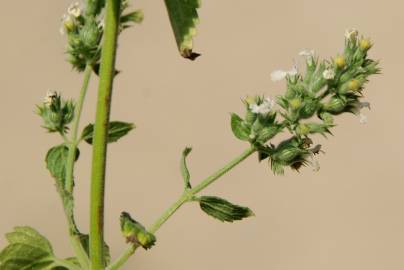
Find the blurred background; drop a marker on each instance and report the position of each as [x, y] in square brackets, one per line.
[349, 215]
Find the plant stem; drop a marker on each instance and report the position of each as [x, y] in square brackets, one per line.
[107, 71]
[75, 130]
[185, 197]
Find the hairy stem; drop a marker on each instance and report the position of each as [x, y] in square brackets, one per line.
[107, 71]
[185, 197]
[75, 130]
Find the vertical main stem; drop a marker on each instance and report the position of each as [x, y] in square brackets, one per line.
[107, 71]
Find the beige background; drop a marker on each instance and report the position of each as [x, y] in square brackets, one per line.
[347, 216]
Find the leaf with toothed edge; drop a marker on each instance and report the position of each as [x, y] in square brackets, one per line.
[223, 210]
[184, 17]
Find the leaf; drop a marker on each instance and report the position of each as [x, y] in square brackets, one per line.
[27, 250]
[56, 160]
[85, 242]
[223, 210]
[136, 233]
[116, 131]
[184, 169]
[136, 16]
[184, 17]
[239, 128]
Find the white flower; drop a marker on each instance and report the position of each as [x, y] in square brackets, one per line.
[307, 53]
[264, 108]
[313, 160]
[363, 119]
[50, 96]
[329, 74]
[278, 75]
[74, 10]
[351, 34]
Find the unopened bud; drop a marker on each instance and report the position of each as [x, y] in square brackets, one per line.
[295, 103]
[354, 85]
[303, 129]
[365, 44]
[340, 61]
[335, 105]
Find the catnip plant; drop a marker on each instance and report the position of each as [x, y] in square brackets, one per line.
[313, 99]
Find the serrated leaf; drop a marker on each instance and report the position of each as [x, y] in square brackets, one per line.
[223, 210]
[27, 250]
[184, 168]
[27, 235]
[184, 17]
[239, 128]
[56, 160]
[117, 130]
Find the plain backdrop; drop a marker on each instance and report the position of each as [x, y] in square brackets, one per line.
[349, 215]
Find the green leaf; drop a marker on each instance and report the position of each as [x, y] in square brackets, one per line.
[184, 169]
[184, 17]
[116, 131]
[239, 128]
[27, 250]
[136, 233]
[56, 160]
[136, 16]
[223, 210]
[85, 242]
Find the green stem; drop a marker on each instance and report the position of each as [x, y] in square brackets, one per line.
[75, 241]
[187, 196]
[75, 130]
[107, 71]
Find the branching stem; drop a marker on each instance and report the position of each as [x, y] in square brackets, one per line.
[187, 196]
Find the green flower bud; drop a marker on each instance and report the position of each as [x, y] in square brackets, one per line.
[286, 154]
[69, 25]
[295, 103]
[327, 118]
[335, 106]
[303, 129]
[135, 233]
[267, 133]
[310, 107]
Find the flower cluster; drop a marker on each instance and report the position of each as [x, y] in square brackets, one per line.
[84, 31]
[56, 113]
[309, 105]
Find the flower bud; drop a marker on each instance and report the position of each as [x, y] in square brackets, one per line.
[303, 129]
[354, 85]
[335, 106]
[295, 103]
[286, 154]
[310, 107]
[365, 44]
[351, 34]
[68, 24]
[327, 118]
[340, 61]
